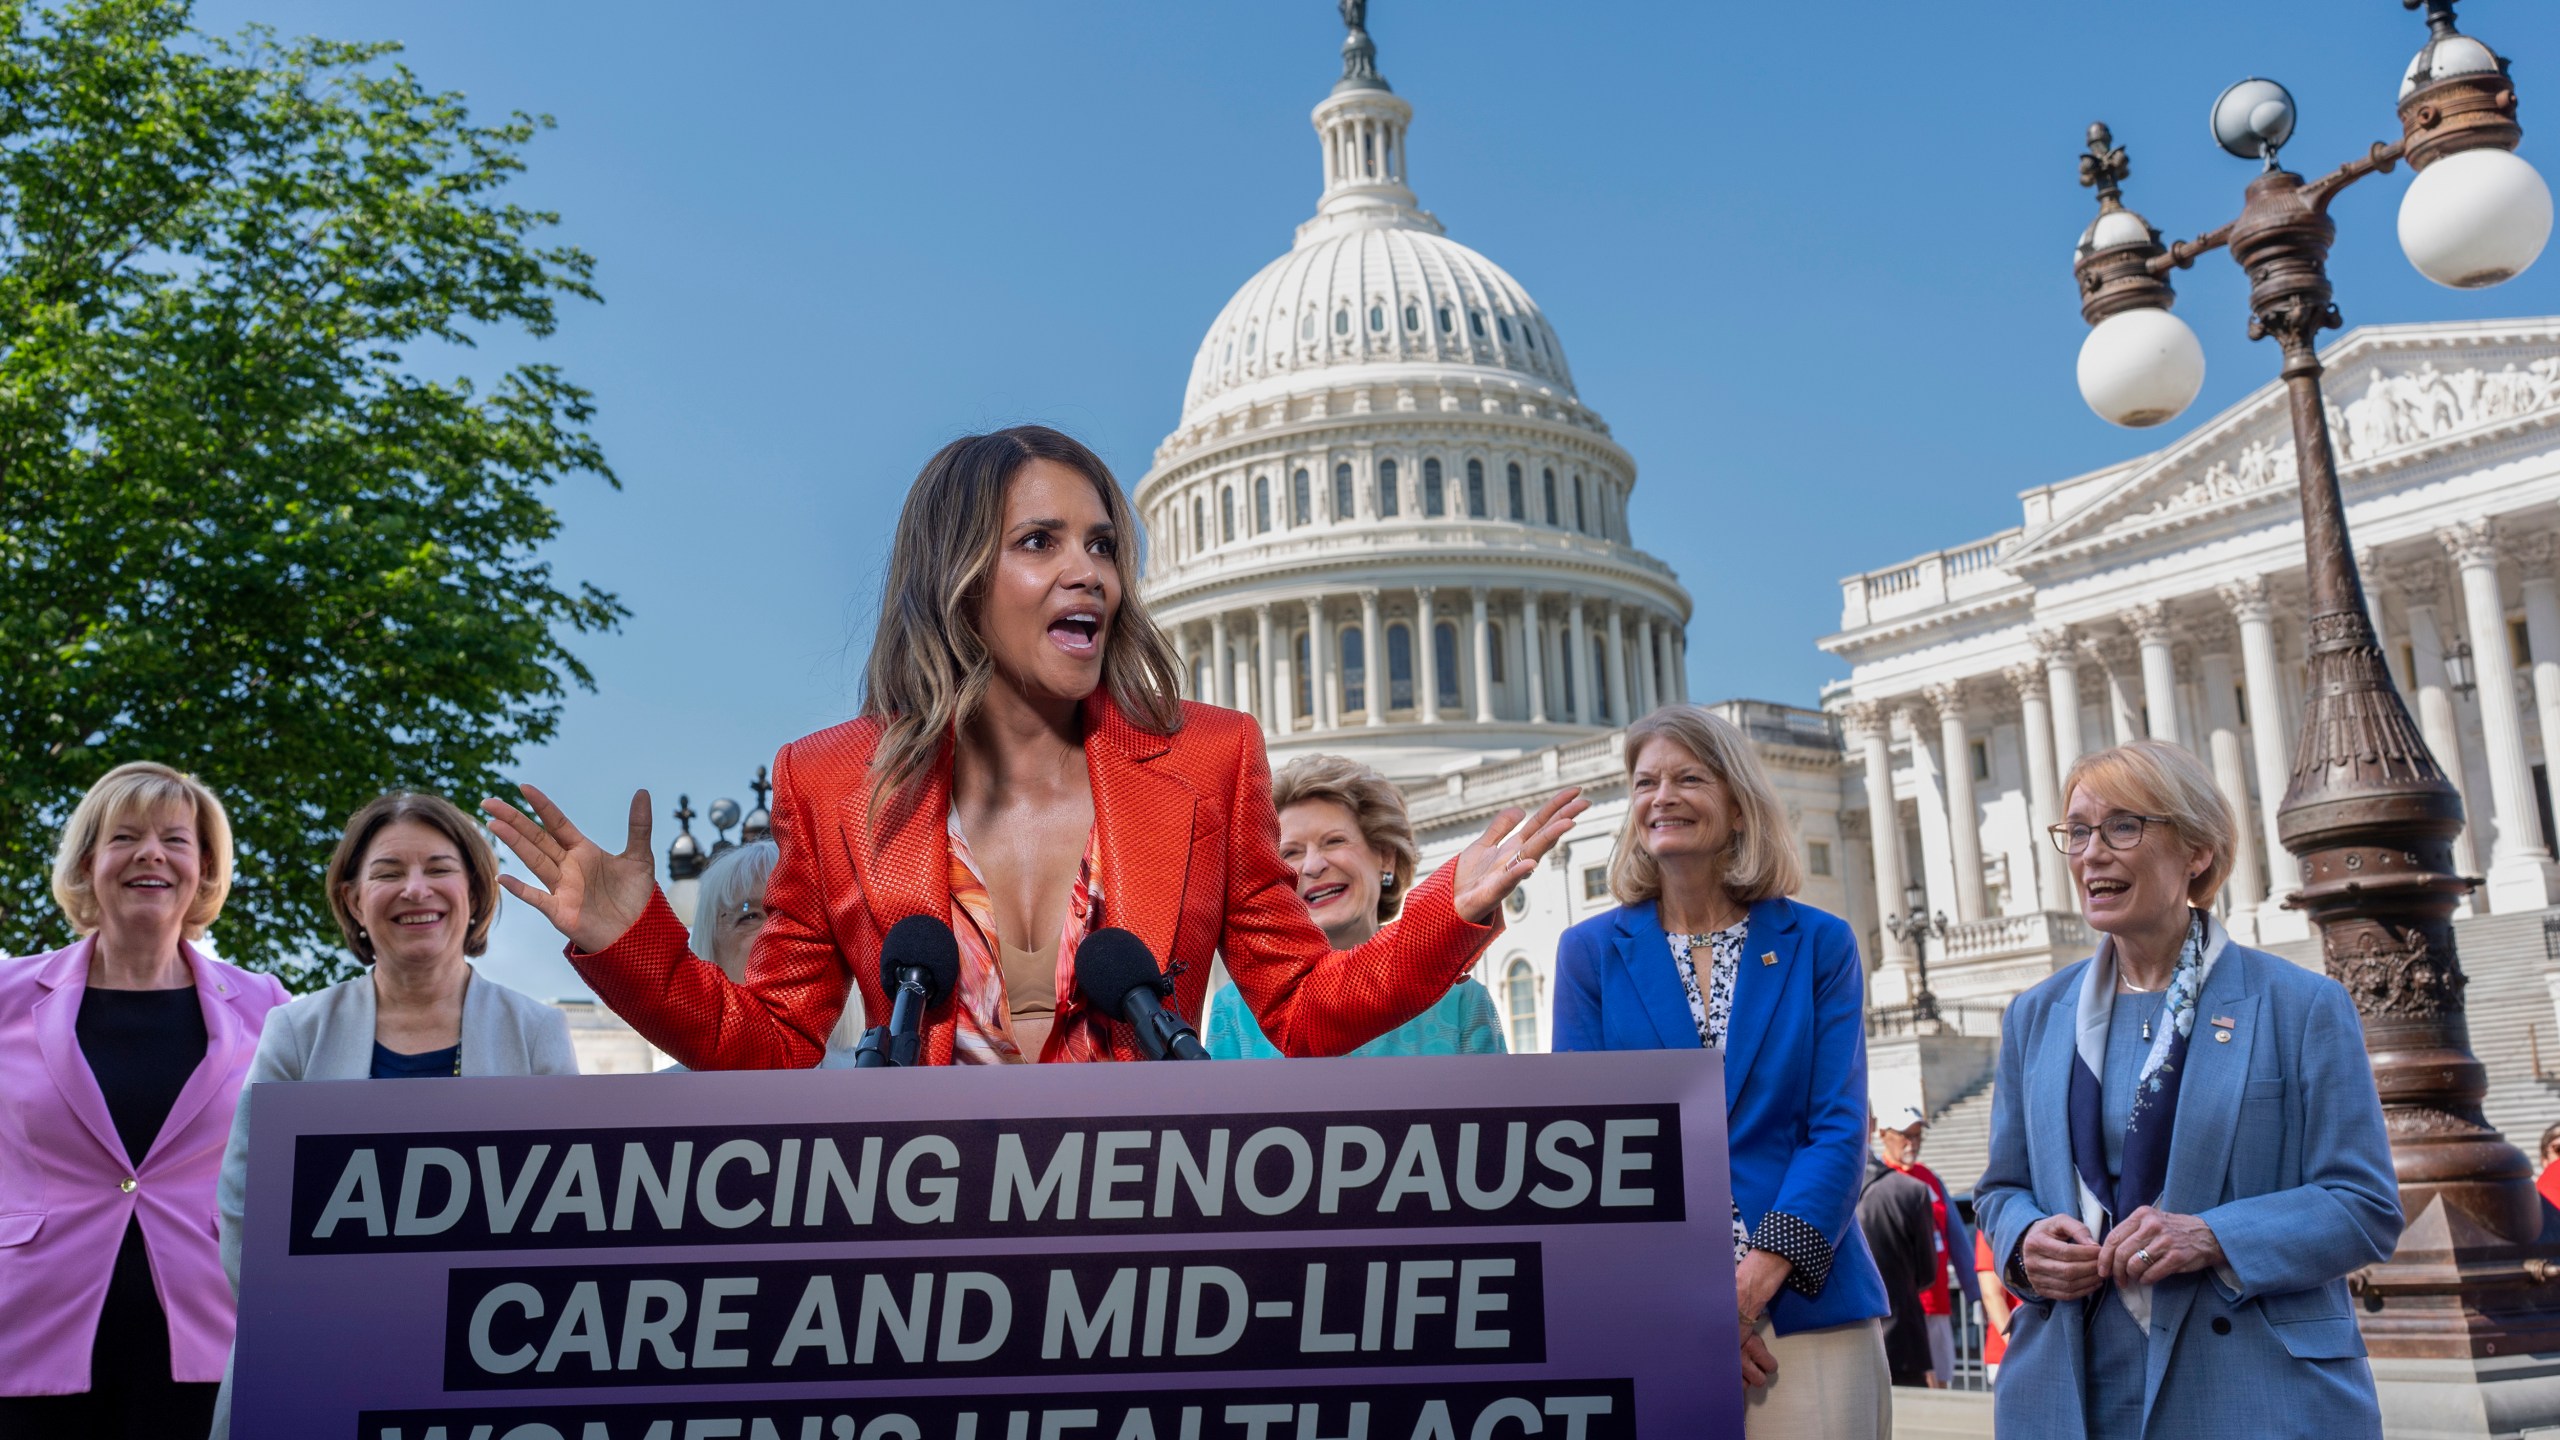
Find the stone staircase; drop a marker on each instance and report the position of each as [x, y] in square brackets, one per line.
[2511, 1014]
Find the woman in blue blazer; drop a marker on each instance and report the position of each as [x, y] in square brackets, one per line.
[1706, 949]
[2187, 1154]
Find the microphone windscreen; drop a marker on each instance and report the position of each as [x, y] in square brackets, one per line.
[926, 944]
[1111, 963]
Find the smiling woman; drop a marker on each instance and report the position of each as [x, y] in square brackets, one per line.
[1022, 769]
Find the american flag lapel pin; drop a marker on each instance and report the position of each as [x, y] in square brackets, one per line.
[2222, 1029]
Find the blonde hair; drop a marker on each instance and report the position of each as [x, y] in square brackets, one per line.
[142, 785]
[1761, 863]
[930, 667]
[1375, 807]
[2153, 777]
[479, 863]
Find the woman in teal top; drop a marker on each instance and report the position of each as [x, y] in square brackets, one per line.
[1344, 831]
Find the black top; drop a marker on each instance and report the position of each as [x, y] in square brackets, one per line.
[390, 1064]
[141, 1045]
[1897, 1214]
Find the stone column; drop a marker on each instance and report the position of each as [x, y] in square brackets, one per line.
[2115, 657]
[1319, 668]
[1680, 665]
[1581, 696]
[2271, 746]
[1275, 709]
[1483, 654]
[1617, 659]
[1190, 670]
[2421, 587]
[1533, 654]
[1373, 659]
[2542, 637]
[2149, 623]
[1935, 864]
[1645, 698]
[1964, 821]
[2044, 786]
[1871, 727]
[2061, 654]
[1222, 675]
[1426, 660]
[2520, 869]
[2230, 768]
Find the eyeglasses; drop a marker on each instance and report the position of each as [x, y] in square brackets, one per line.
[2122, 832]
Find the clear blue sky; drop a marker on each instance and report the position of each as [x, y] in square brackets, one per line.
[1810, 261]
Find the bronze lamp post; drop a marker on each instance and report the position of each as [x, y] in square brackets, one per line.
[2368, 811]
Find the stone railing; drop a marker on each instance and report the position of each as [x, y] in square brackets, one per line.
[1926, 582]
[2003, 936]
[1489, 787]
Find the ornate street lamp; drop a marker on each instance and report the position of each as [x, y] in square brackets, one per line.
[2368, 811]
[1918, 928]
[686, 857]
[2457, 670]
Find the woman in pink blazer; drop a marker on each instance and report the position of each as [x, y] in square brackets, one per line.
[120, 1064]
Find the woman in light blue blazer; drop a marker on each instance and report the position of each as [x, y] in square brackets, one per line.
[1707, 950]
[414, 885]
[2187, 1153]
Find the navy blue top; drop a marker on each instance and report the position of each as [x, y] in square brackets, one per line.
[389, 1064]
[2127, 1048]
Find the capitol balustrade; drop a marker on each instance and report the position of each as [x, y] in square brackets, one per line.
[1915, 586]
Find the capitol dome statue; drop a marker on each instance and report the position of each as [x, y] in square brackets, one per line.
[1386, 525]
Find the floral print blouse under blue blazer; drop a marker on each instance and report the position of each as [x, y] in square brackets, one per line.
[1795, 1079]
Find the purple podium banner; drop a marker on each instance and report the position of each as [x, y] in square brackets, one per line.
[1464, 1248]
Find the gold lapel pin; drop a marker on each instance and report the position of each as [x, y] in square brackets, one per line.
[2222, 1037]
[1768, 957]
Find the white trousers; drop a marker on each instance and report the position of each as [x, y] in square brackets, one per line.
[1831, 1385]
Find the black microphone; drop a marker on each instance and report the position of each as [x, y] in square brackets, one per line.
[1118, 976]
[919, 963]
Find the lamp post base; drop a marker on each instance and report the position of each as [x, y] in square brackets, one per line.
[2507, 1397]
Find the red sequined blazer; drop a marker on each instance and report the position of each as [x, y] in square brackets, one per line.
[1189, 860]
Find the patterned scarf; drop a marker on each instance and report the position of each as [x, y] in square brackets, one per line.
[985, 1032]
[2105, 1198]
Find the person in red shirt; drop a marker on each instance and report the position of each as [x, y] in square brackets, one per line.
[1898, 1135]
[1995, 1308]
[2549, 1181]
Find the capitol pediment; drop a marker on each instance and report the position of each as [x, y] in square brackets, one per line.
[2397, 395]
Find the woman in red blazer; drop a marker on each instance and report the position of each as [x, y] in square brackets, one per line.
[1024, 771]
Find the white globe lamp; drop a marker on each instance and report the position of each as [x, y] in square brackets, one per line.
[2140, 368]
[2475, 218]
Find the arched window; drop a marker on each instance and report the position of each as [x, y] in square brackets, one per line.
[1307, 326]
[1475, 322]
[1390, 503]
[1529, 333]
[1494, 651]
[1341, 322]
[1551, 496]
[1227, 513]
[1302, 498]
[1342, 501]
[1561, 647]
[1261, 504]
[1399, 667]
[1446, 324]
[1412, 316]
[1434, 502]
[1595, 646]
[1578, 521]
[1504, 325]
[1475, 488]
[1377, 317]
[1444, 659]
[1519, 507]
[1249, 337]
[1355, 675]
[1199, 524]
[1520, 1002]
[1306, 678]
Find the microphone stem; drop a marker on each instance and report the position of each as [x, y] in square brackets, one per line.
[906, 1021]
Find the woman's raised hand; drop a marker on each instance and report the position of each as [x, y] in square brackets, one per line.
[587, 895]
[1508, 851]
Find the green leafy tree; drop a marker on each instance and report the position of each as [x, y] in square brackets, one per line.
[241, 532]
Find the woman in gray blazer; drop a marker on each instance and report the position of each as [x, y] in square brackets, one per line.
[2187, 1154]
[414, 884]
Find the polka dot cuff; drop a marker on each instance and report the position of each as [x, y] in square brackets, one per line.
[1803, 1246]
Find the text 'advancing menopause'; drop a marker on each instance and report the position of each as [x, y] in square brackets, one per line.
[550, 1189]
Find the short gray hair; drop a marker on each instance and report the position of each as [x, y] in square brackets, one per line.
[733, 880]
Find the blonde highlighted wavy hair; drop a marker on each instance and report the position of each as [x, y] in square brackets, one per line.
[1375, 806]
[930, 667]
[142, 787]
[2153, 777]
[1761, 862]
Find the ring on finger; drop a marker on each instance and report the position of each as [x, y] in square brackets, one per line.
[2142, 1257]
